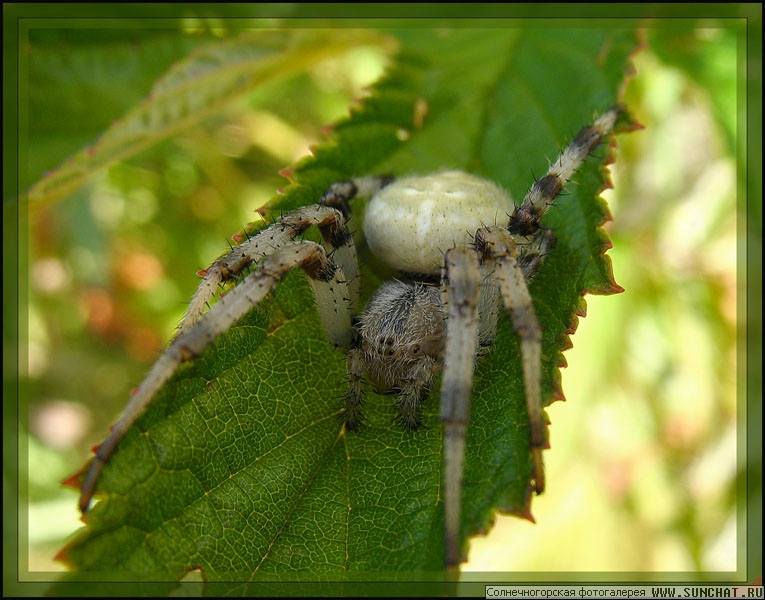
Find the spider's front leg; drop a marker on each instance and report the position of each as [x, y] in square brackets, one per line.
[461, 281]
[497, 245]
[336, 237]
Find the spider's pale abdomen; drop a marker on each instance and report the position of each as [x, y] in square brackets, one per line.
[411, 222]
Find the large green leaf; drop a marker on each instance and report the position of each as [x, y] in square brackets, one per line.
[241, 467]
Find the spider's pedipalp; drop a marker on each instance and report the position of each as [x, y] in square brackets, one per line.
[413, 391]
[334, 232]
[354, 395]
[328, 282]
[498, 246]
[399, 347]
[461, 281]
[532, 255]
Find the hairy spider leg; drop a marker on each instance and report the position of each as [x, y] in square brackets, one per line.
[354, 395]
[335, 235]
[525, 220]
[461, 281]
[329, 284]
[498, 246]
[516, 253]
[519, 252]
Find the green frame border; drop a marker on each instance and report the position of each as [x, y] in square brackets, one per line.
[18, 17]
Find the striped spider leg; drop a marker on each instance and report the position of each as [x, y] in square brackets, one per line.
[332, 273]
[510, 256]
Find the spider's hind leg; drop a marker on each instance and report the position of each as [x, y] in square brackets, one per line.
[532, 255]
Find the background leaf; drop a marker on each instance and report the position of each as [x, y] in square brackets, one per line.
[209, 79]
[239, 466]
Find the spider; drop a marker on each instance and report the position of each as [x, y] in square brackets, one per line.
[438, 317]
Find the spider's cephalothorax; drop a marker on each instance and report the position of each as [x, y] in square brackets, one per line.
[443, 232]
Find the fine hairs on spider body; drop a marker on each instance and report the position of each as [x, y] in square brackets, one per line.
[460, 272]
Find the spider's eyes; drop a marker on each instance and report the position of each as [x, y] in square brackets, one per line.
[385, 346]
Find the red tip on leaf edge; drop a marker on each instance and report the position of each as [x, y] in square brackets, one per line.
[73, 481]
